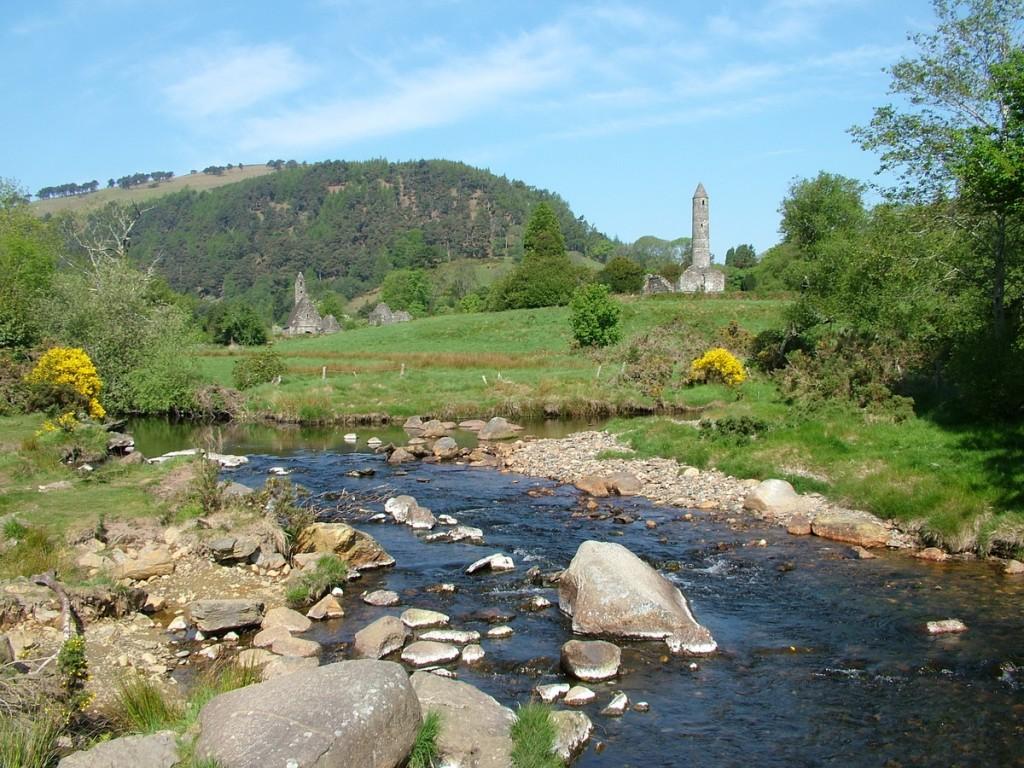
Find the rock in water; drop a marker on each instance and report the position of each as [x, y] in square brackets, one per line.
[157, 750]
[551, 692]
[446, 448]
[327, 607]
[946, 627]
[497, 429]
[572, 732]
[221, 615]
[417, 618]
[361, 713]
[360, 550]
[851, 528]
[591, 660]
[381, 598]
[423, 653]
[579, 695]
[617, 705]
[386, 635]
[495, 562]
[474, 727]
[607, 590]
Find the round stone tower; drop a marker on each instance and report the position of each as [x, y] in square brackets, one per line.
[700, 237]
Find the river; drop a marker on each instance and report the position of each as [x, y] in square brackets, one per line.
[823, 658]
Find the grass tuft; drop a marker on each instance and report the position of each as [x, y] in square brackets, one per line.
[29, 743]
[533, 738]
[329, 572]
[36, 551]
[424, 749]
[142, 706]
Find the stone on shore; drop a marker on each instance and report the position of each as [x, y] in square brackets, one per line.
[384, 636]
[353, 713]
[360, 550]
[572, 732]
[594, 485]
[474, 727]
[497, 428]
[607, 590]
[423, 653]
[327, 607]
[156, 561]
[222, 615]
[775, 497]
[851, 528]
[932, 554]
[291, 620]
[296, 646]
[1013, 568]
[267, 637]
[591, 660]
[156, 750]
[799, 525]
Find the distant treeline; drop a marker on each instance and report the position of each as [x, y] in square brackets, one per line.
[66, 190]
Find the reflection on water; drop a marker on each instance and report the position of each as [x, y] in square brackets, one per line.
[156, 436]
[823, 658]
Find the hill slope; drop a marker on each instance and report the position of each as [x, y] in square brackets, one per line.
[344, 224]
[196, 181]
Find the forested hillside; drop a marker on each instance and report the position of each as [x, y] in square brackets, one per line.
[345, 224]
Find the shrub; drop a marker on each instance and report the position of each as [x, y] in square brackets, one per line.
[424, 749]
[594, 317]
[718, 365]
[622, 275]
[260, 368]
[329, 572]
[533, 738]
[74, 672]
[737, 430]
[65, 378]
[769, 350]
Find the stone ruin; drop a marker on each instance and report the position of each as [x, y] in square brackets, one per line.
[304, 318]
[382, 315]
[700, 276]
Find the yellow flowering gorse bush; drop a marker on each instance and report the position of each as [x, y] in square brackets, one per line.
[71, 370]
[720, 364]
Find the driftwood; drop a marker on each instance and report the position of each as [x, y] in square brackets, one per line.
[71, 624]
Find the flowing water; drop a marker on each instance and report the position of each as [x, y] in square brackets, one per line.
[823, 659]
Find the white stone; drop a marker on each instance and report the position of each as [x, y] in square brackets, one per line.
[495, 562]
[415, 618]
[552, 692]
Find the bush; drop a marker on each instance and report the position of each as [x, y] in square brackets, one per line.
[736, 430]
[594, 317]
[769, 350]
[65, 378]
[260, 368]
[718, 365]
[622, 275]
[237, 323]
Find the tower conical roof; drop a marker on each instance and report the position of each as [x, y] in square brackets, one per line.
[700, 192]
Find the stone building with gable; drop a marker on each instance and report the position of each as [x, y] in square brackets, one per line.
[304, 318]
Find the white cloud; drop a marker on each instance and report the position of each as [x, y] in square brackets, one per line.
[237, 78]
[436, 96]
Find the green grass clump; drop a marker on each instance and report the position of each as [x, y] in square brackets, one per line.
[29, 742]
[533, 738]
[424, 749]
[144, 707]
[36, 551]
[329, 572]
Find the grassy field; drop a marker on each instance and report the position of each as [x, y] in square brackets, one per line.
[515, 363]
[99, 198]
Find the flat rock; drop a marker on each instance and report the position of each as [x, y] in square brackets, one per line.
[578, 696]
[454, 636]
[799, 525]
[932, 554]
[267, 637]
[222, 615]
[775, 497]
[157, 750]
[296, 646]
[414, 618]
[279, 666]
[1013, 568]
[500, 632]
[458, 533]
[474, 727]
[851, 529]
[353, 713]
[327, 607]
[360, 550]
[423, 653]
[607, 590]
[591, 660]
[946, 627]
[624, 484]
[496, 562]
[572, 732]
[594, 485]
[381, 598]
[472, 425]
[384, 636]
[291, 620]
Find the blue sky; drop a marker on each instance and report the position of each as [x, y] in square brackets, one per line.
[621, 108]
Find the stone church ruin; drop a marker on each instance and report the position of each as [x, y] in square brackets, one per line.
[304, 318]
[700, 276]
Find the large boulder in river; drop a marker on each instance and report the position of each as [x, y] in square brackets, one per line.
[361, 714]
[375, 641]
[775, 497]
[851, 527]
[155, 750]
[474, 727]
[360, 550]
[607, 590]
[497, 428]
